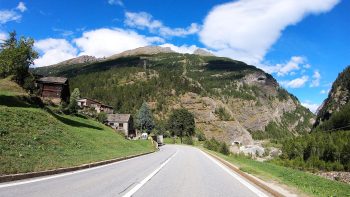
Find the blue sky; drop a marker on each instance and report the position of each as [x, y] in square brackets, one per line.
[303, 44]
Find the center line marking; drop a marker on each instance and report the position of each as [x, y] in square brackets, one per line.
[145, 180]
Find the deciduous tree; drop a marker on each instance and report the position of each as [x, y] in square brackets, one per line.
[181, 123]
[16, 56]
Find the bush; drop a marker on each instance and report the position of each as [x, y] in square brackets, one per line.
[224, 149]
[28, 83]
[212, 144]
[223, 114]
[217, 146]
[188, 140]
[201, 136]
[102, 117]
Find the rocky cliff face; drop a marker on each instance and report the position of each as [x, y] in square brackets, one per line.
[337, 98]
[231, 100]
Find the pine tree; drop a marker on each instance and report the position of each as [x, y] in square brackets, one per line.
[145, 118]
[73, 105]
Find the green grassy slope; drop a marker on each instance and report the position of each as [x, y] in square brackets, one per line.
[34, 139]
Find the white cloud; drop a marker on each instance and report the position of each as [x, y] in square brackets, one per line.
[307, 66]
[143, 20]
[21, 7]
[105, 42]
[3, 36]
[116, 2]
[63, 32]
[324, 91]
[295, 83]
[316, 77]
[246, 29]
[181, 49]
[9, 15]
[294, 64]
[311, 106]
[14, 14]
[53, 51]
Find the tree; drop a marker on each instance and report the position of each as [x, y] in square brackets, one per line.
[145, 118]
[73, 101]
[16, 56]
[181, 123]
[102, 117]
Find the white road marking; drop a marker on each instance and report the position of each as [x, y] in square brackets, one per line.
[240, 179]
[60, 175]
[145, 180]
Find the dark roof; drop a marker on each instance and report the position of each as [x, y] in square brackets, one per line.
[121, 118]
[56, 80]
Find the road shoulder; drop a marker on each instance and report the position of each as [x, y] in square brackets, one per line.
[273, 189]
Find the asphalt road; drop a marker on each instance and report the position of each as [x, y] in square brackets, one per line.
[173, 171]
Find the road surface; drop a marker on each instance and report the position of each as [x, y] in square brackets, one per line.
[173, 171]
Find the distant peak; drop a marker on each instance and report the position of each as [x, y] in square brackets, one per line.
[147, 50]
[202, 52]
[78, 60]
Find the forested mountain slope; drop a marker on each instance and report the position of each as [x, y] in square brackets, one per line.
[334, 113]
[230, 100]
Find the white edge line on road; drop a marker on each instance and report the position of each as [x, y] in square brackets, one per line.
[145, 180]
[240, 179]
[60, 175]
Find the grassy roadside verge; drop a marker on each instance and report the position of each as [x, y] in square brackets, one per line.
[35, 140]
[304, 182]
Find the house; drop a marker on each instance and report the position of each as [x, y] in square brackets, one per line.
[55, 89]
[96, 105]
[122, 122]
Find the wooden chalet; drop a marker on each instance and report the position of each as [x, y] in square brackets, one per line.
[96, 105]
[55, 89]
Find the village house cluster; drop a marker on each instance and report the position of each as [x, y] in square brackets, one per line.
[56, 90]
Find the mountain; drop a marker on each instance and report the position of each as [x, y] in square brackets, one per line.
[332, 114]
[78, 60]
[202, 52]
[231, 101]
[147, 50]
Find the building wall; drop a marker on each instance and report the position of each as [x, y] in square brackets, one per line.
[51, 90]
[57, 91]
[124, 128]
[107, 110]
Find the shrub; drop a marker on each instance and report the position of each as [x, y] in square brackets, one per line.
[223, 114]
[201, 136]
[102, 117]
[28, 83]
[212, 144]
[187, 140]
[224, 149]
